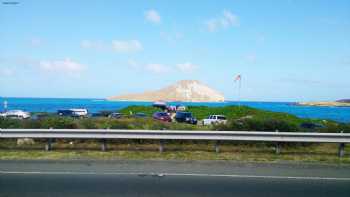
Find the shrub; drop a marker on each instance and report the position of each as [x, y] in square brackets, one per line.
[58, 123]
[87, 124]
[31, 124]
[280, 125]
[332, 127]
[6, 123]
[257, 125]
[119, 124]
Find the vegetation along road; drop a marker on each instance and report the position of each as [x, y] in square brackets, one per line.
[239, 119]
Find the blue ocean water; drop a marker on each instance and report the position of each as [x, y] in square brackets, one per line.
[341, 114]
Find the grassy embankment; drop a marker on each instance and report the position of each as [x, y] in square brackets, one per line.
[250, 119]
[322, 153]
[240, 118]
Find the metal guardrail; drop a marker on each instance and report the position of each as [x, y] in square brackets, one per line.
[104, 134]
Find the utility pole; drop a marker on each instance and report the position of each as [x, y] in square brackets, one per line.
[239, 79]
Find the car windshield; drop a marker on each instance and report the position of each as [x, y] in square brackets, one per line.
[185, 115]
[221, 118]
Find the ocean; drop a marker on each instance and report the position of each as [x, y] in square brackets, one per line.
[340, 114]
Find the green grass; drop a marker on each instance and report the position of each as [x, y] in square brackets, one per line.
[257, 152]
[148, 110]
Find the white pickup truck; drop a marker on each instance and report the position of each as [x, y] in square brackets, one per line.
[215, 119]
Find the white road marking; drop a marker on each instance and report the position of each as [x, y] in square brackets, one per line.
[176, 174]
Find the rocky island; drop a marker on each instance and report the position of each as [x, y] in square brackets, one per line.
[185, 91]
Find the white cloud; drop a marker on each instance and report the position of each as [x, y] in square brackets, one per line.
[152, 67]
[212, 25]
[152, 16]
[225, 20]
[66, 66]
[7, 72]
[86, 44]
[119, 46]
[251, 58]
[35, 42]
[171, 38]
[230, 19]
[126, 46]
[133, 64]
[158, 68]
[13, 66]
[89, 44]
[186, 67]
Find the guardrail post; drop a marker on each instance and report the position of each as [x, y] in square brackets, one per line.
[341, 150]
[161, 146]
[48, 145]
[103, 145]
[278, 146]
[216, 146]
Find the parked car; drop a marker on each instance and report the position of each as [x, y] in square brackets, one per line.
[73, 112]
[101, 114]
[310, 125]
[215, 119]
[180, 108]
[185, 117]
[40, 116]
[80, 112]
[160, 104]
[140, 115]
[64, 112]
[105, 113]
[17, 114]
[162, 116]
[115, 115]
[97, 115]
[171, 108]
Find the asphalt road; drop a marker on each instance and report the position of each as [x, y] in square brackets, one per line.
[170, 178]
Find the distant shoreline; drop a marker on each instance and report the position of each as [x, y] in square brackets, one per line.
[324, 104]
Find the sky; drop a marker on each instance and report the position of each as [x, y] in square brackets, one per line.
[286, 50]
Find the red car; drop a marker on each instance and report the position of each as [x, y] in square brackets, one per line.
[162, 116]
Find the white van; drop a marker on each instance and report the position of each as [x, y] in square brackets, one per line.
[17, 114]
[79, 112]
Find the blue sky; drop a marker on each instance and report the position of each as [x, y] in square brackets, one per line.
[288, 50]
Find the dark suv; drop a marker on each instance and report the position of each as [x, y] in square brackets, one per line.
[311, 126]
[185, 117]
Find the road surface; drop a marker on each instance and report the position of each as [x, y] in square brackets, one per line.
[170, 178]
